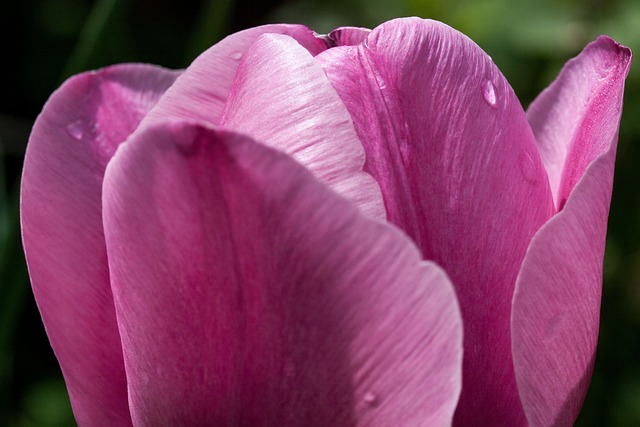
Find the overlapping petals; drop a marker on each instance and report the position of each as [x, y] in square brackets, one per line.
[450, 146]
[248, 293]
[293, 114]
[556, 306]
[61, 213]
[471, 181]
[201, 93]
[303, 323]
[219, 246]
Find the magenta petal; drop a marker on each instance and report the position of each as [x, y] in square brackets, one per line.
[556, 305]
[248, 293]
[72, 140]
[282, 97]
[576, 118]
[202, 90]
[450, 146]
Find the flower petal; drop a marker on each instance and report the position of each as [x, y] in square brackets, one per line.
[449, 144]
[201, 91]
[282, 97]
[557, 303]
[576, 119]
[248, 293]
[72, 140]
[556, 306]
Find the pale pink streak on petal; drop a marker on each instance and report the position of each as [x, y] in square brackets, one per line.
[282, 97]
[202, 90]
[248, 293]
[556, 307]
[449, 144]
[572, 119]
[72, 140]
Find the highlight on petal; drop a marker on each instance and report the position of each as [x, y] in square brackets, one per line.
[556, 306]
[71, 142]
[248, 293]
[450, 146]
[282, 97]
[201, 92]
[576, 118]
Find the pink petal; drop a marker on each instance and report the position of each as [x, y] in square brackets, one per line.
[202, 90]
[72, 140]
[449, 144]
[556, 305]
[576, 119]
[248, 293]
[282, 97]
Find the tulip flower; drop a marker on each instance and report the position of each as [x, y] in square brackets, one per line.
[362, 228]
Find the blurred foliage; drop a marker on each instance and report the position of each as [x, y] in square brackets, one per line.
[45, 41]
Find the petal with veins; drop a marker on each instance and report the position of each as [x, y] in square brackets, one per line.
[202, 90]
[248, 293]
[457, 163]
[72, 140]
[282, 97]
[556, 306]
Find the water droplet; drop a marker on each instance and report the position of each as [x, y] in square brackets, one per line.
[371, 399]
[489, 92]
[76, 129]
[236, 55]
[528, 168]
[553, 327]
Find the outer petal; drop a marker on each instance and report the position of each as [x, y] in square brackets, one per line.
[202, 90]
[556, 305]
[281, 96]
[449, 144]
[71, 142]
[249, 294]
[574, 120]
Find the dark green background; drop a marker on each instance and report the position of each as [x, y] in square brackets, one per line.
[45, 41]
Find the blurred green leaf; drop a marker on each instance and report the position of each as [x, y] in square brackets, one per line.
[322, 17]
[89, 36]
[13, 292]
[211, 27]
[47, 405]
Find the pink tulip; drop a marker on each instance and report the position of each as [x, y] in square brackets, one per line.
[294, 230]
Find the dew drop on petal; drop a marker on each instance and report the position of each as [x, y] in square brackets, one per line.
[76, 129]
[489, 92]
[371, 399]
[528, 168]
[236, 55]
[553, 327]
